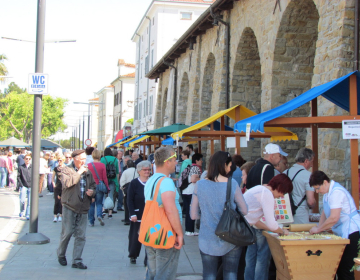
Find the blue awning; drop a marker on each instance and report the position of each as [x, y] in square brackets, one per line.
[336, 91]
[113, 144]
[127, 143]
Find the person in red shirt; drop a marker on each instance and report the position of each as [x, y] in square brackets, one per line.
[98, 200]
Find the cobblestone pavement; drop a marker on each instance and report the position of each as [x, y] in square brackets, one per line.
[105, 252]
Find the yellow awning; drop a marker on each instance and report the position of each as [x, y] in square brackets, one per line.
[244, 114]
[138, 140]
[127, 140]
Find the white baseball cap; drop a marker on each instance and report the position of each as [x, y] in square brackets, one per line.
[274, 149]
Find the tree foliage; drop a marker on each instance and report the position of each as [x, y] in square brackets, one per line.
[14, 87]
[16, 115]
[131, 121]
[67, 142]
[3, 68]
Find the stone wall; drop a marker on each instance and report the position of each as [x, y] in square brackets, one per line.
[274, 57]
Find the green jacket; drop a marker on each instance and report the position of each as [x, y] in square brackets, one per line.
[111, 159]
[184, 164]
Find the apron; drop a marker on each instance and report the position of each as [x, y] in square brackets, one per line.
[342, 227]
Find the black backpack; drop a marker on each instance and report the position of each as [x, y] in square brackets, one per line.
[110, 169]
[292, 203]
[184, 178]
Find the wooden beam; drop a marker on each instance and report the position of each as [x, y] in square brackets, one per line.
[354, 149]
[226, 7]
[315, 145]
[222, 138]
[198, 32]
[319, 125]
[288, 122]
[237, 137]
[211, 141]
[209, 133]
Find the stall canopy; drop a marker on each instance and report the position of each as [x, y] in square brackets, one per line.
[13, 142]
[121, 140]
[48, 144]
[166, 130]
[244, 114]
[336, 91]
[136, 140]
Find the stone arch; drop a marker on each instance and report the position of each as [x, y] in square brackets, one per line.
[163, 107]
[293, 64]
[246, 80]
[207, 87]
[182, 100]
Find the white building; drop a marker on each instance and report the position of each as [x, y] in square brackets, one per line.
[105, 117]
[124, 87]
[162, 25]
[94, 120]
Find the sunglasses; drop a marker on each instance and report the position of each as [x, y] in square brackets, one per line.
[67, 157]
[27, 158]
[173, 156]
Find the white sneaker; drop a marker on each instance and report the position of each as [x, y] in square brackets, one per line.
[188, 233]
[50, 193]
[59, 219]
[195, 233]
[55, 219]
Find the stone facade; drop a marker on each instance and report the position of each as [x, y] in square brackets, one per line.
[274, 57]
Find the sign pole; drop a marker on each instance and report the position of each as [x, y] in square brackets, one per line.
[33, 237]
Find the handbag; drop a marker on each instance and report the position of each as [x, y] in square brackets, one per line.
[101, 186]
[233, 227]
[108, 203]
[127, 185]
[155, 229]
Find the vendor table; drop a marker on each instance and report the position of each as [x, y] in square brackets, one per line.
[305, 259]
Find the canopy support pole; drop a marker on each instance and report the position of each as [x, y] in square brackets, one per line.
[222, 138]
[315, 147]
[212, 141]
[199, 146]
[354, 149]
[237, 137]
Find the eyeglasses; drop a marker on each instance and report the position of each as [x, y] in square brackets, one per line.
[174, 155]
[147, 169]
[67, 157]
[27, 158]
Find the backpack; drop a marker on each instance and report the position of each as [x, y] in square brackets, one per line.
[292, 203]
[184, 178]
[110, 169]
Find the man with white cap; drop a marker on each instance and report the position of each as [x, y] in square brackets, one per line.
[264, 169]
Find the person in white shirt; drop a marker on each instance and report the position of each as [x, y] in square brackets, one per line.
[42, 170]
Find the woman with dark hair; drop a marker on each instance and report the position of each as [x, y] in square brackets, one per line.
[238, 161]
[210, 195]
[245, 169]
[194, 176]
[89, 157]
[260, 200]
[113, 182]
[341, 216]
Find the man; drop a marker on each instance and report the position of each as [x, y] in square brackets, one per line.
[42, 170]
[190, 148]
[68, 159]
[20, 161]
[120, 198]
[264, 170]
[163, 263]
[282, 166]
[24, 179]
[78, 190]
[126, 158]
[136, 158]
[302, 194]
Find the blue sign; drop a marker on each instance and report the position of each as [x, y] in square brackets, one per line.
[38, 83]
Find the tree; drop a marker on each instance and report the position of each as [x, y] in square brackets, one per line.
[14, 87]
[16, 115]
[131, 121]
[67, 142]
[3, 68]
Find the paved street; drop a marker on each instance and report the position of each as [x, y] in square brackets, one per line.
[105, 251]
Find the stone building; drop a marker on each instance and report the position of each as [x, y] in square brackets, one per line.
[277, 50]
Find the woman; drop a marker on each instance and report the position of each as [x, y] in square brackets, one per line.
[10, 169]
[57, 187]
[51, 165]
[194, 176]
[245, 169]
[98, 200]
[238, 161]
[24, 179]
[136, 205]
[185, 161]
[210, 196]
[260, 200]
[113, 182]
[128, 175]
[341, 216]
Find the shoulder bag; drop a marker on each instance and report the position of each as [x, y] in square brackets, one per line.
[155, 229]
[233, 227]
[101, 186]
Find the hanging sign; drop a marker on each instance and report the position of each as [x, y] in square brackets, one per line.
[38, 83]
[248, 126]
[351, 129]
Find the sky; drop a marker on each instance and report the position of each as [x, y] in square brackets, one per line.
[102, 30]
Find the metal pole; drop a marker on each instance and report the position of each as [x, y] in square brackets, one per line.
[79, 133]
[75, 137]
[33, 237]
[88, 136]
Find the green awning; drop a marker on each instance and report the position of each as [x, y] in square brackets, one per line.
[166, 130]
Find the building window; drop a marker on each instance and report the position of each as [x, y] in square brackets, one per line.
[144, 108]
[141, 70]
[186, 15]
[153, 20]
[146, 65]
[119, 123]
[140, 111]
[152, 58]
[135, 113]
[151, 105]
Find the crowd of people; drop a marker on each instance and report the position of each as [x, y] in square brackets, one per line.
[87, 186]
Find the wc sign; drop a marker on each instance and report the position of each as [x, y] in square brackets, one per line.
[38, 83]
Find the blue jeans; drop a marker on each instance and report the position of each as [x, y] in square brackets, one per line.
[120, 204]
[162, 263]
[99, 204]
[258, 258]
[230, 263]
[25, 194]
[3, 177]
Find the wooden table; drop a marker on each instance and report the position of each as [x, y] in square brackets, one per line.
[306, 259]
